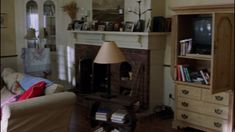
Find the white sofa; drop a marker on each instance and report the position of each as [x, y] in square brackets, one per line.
[48, 113]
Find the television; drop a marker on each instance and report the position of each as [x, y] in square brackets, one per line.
[202, 34]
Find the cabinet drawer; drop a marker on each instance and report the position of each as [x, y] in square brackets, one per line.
[202, 120]
[203, 107]
[188, 92]
[220, 98]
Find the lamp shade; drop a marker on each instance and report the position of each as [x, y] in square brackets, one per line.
[109, 53]
[30, 34]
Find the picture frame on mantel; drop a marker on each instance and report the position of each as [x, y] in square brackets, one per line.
[77, 25]
[129, 26]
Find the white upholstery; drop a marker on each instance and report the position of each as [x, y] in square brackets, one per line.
[49, 113]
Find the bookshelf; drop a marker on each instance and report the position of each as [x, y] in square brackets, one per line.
[203, 66]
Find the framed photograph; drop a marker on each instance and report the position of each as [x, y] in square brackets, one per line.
[3, 20]
[106, 10]
[86, 26]
[129, 26]
[109, 26]
[101, 27]
[77, 25]
[116, 27]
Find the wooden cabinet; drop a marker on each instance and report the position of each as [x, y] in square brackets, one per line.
[203, 66]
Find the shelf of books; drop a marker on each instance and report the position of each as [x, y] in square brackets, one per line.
[117, 119]
[193, 74]
[192, 68]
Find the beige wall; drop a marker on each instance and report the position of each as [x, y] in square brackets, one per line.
[8, 37]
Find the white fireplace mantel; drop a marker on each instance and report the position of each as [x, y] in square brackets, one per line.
[137, 40]
[155, 42]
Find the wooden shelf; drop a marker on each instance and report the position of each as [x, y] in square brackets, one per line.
[125, 125]
[120, 33]
[196, 57]
[194, 84]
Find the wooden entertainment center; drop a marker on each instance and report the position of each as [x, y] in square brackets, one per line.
[209, 105]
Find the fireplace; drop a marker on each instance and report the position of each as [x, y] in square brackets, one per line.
[128, 78]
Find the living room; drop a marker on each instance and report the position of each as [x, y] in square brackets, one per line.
[150, 53]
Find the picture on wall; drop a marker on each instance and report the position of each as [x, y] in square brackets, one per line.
[107, 10]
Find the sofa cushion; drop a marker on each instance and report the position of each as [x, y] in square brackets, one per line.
[54, 88]
[34, 91]
[6, 71]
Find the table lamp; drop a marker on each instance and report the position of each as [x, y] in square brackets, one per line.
[31, 35]
[109, 54]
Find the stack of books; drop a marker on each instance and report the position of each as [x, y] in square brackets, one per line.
[119, 116]
[101, 129]
[185, 46]
[115, 130]
[102, 114]
[183, 73]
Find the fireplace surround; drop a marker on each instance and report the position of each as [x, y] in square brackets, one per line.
[143, 71]
[132, 75]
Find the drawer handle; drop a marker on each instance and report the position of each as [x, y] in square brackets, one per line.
[185, 104]
[218, 111]
[184, 116]
[219, 98]
[185, 92]
[217, 124]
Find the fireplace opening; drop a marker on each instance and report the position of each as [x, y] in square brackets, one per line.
[92, 76]
[85, 75]
[125, 71]
[99, 77]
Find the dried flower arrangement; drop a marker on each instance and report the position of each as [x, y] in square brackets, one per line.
[71, 9]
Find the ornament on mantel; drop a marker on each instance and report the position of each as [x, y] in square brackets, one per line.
[140, 23]
[71, 9]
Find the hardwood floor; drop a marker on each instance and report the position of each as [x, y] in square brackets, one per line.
[81, 122]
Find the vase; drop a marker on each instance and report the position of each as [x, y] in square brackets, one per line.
[140, 26]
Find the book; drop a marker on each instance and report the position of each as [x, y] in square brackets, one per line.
[119, 116]
[186, 73]
[178, 73]
[115, 130]
[205, 75]
[185, 46]
[119, 113]
[182, 73]
[101, 129]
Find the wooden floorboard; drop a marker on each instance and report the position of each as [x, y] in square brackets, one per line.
[81, 122]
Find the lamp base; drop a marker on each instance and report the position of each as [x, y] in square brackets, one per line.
[108, 96]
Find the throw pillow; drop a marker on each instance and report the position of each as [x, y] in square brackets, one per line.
[12, 84]
[28, 81]
[16, 88]
[34, 91]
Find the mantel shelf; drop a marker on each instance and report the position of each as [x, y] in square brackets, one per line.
[120, 33]
[138, 40]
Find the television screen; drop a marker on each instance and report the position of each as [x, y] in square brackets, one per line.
[202, 31]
